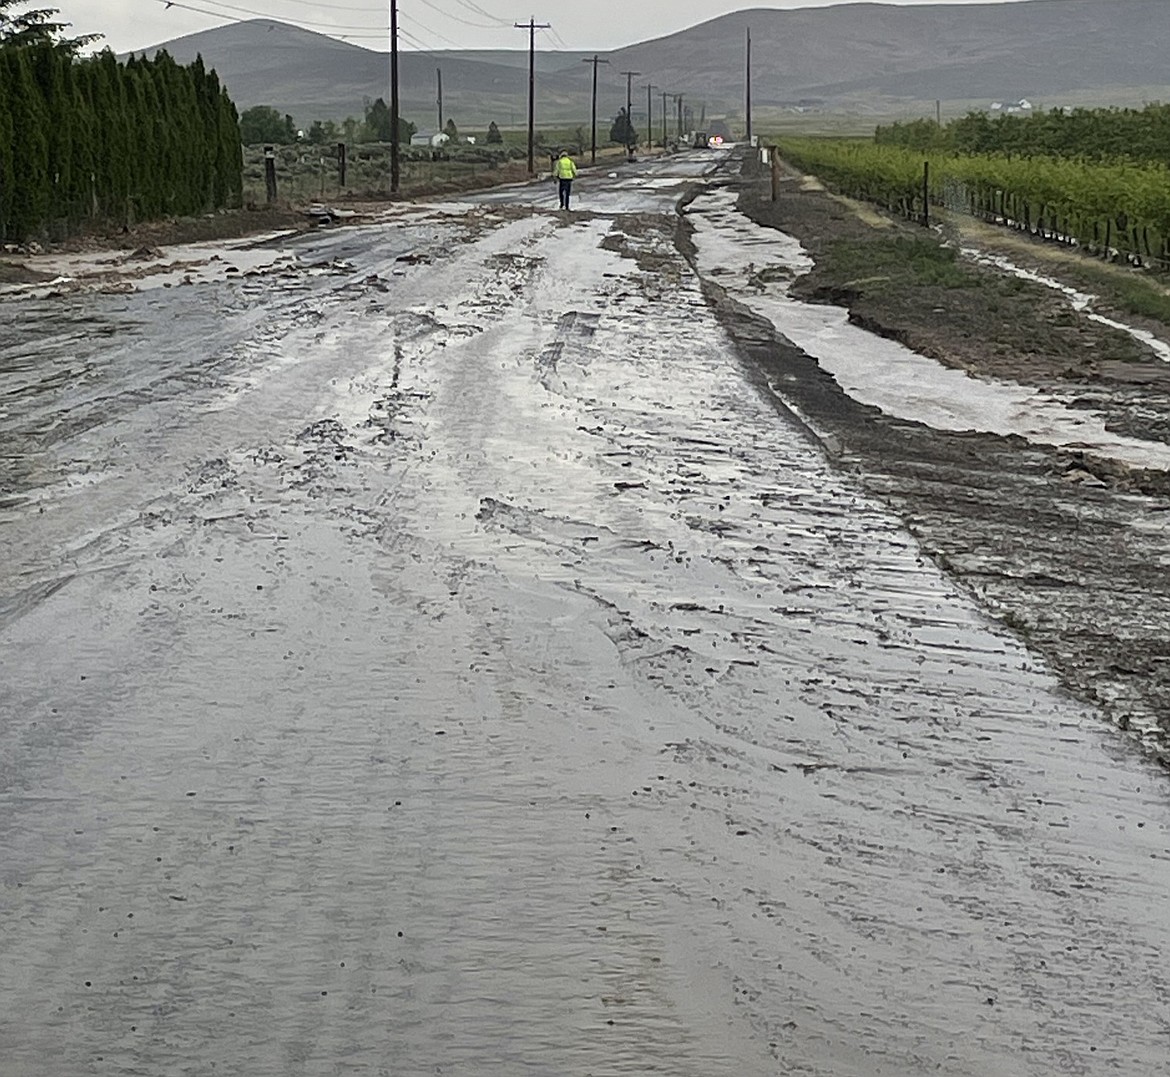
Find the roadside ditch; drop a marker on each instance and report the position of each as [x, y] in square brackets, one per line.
[1065, 545]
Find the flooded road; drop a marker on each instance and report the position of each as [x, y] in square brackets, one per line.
[437, 655]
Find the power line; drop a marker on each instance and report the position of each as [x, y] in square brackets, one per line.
[456, 18]
[474, 7]
[429, 30]
[410, 39]
[316, 6]
[255, 14]
[367, 31]
[557, 39]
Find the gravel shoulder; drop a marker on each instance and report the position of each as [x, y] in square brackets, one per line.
[1067, 548]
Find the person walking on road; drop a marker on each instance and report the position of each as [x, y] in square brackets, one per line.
[565, 171]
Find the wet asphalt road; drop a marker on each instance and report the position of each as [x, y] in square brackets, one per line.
[459, 665]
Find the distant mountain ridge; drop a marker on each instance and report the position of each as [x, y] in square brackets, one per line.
[850, 56]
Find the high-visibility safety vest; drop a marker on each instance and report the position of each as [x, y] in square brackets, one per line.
[565, 169]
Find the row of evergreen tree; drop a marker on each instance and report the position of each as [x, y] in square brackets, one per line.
[1098, 134]
[98, 140]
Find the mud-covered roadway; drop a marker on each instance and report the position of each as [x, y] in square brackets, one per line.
[442, 647]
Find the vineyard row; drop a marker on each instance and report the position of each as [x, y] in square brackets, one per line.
[1116, 210]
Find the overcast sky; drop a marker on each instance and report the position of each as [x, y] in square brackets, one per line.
[435, 24]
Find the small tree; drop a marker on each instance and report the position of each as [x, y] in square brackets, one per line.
[622, 130]
[451, 131]
[377, 124]
[262, 123]
[494, 137]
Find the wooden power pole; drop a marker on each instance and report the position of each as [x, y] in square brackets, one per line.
[394, 165]
[439, 80]
[532, 26]
[748, 87]
[594, 60]
[650, 116]
[630, 109]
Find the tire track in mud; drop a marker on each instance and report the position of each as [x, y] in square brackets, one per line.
[910, 721]
[491, 714]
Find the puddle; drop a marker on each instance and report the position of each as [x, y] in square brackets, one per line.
[150, 268]
[751, 263]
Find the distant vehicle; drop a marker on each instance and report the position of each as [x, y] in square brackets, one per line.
[700, 140]
[715, 140]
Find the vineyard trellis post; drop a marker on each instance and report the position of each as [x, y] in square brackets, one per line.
[270, 173]
[925, 194]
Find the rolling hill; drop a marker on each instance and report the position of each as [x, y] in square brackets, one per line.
[870, 58]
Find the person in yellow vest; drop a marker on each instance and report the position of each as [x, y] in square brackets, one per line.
[565, 172]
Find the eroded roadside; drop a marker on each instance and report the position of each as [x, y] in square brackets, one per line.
[1068, 547]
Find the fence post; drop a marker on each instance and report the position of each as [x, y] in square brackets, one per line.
[774, 154]
[341, 164]
[270, 173]
[925, 194]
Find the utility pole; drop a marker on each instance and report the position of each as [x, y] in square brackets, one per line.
[630, 109]
[678, 100]
[665, 95]
[532, 26]
[748, 85]
[593, 146]
[650, 116]
[439, 78]
[394, 169]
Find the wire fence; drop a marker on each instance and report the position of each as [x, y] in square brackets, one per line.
[315, 173]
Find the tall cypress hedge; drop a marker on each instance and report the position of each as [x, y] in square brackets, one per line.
[95, 140]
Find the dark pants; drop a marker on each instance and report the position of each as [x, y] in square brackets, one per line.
[566, 187]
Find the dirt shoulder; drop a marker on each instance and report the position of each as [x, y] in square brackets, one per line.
[1067, 550]
[21, 266]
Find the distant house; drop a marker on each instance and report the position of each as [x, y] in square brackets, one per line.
[1015, 108]
[422, 138]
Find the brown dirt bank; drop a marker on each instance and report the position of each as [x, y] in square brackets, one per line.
[1069, 551]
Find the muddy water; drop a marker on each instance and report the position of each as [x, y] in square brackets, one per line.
[755, 266]
[467, 671]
